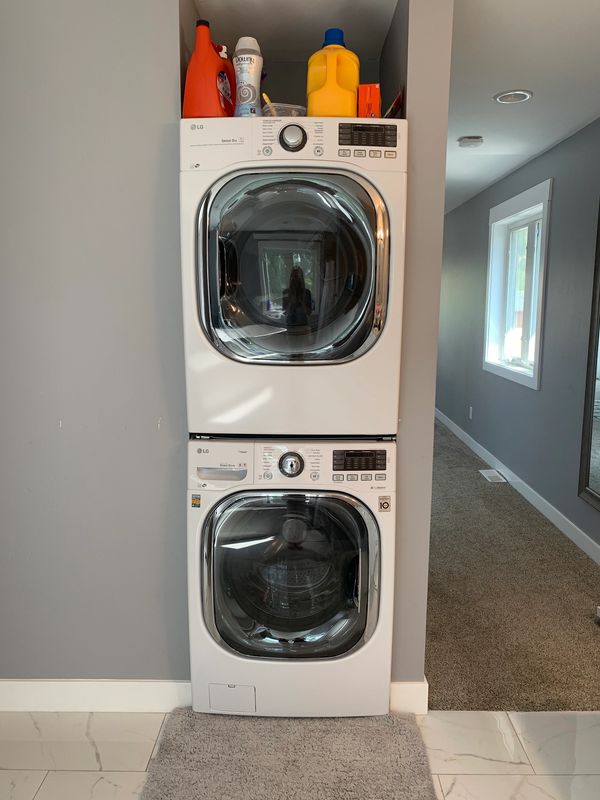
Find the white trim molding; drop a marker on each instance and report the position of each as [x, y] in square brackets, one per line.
[159, 696]
[409, 697]
[556, 517]
[82, 695]
[529, 210]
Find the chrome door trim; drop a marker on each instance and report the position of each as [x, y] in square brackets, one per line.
[221, 507]
[381, 261]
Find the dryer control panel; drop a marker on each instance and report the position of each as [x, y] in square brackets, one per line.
[372, 145]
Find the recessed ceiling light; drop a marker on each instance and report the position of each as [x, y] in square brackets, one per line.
[470, 141]
[514, 96]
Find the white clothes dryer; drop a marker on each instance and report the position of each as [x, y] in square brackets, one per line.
[290, 576]
[292, 237]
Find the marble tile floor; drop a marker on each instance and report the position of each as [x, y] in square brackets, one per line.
[495, 755]
[474, 755]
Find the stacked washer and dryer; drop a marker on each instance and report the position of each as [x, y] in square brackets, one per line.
[292, 254]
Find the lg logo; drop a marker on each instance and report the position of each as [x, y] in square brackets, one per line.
[203, 450]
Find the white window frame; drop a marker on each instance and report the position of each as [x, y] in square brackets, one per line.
[527, 208]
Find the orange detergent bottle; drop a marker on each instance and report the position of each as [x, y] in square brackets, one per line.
[332, 80]
[209, 81]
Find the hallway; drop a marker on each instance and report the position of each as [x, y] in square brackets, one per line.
[512, 601]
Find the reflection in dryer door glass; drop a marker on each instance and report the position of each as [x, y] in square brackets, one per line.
[290, 574]
[289, 264]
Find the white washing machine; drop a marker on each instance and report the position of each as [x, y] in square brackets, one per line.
[290, 576]
[293, 258]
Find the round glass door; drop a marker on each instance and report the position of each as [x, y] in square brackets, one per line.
[293, 267]
[291, 575]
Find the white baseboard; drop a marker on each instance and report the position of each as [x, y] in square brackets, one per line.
[160, 696]
[409, 697]
[82, 695]
[557, 518]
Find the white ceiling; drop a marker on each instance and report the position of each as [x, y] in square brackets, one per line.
[292, 31]
[549, 46]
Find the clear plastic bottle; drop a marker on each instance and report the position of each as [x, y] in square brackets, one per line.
[247, 62]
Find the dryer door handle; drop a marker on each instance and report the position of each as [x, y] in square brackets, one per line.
[221, 473]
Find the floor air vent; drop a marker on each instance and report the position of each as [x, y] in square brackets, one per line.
[492, 475]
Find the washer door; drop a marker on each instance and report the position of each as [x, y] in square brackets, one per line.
[291, 575]
[293, 267]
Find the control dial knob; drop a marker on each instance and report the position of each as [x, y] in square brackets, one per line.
[291, 464]
[292, 138]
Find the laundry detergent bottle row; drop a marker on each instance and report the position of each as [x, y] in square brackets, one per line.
[333, 78]
[210, 79]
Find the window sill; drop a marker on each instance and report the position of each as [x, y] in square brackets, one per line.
[515, 374]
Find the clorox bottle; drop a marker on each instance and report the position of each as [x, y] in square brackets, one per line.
[333, 77]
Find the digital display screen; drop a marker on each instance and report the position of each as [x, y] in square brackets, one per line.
[351, 133]
[357, 460]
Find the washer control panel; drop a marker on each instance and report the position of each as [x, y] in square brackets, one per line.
[222, 464]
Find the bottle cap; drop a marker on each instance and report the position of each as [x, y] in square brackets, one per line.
[247, 43]
[203, 22]
[334, 36]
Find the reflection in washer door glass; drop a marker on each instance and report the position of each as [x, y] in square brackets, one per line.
[290, 573]
[291, 267]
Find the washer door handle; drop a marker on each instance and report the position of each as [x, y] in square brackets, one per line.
[221, 473]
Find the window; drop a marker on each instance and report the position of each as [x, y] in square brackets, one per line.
[515, 286]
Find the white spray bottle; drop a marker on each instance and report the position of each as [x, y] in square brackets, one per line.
[247, 62]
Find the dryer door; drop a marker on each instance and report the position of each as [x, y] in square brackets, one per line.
[293, 267]
[291, 575]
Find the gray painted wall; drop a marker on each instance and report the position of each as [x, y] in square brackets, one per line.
[537, 434]
[286, 80]
[92, 430]
[425, 66]
[394, 56]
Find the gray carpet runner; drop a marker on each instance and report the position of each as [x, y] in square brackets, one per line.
[512, 601]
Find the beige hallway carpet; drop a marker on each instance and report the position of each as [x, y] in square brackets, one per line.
[215, 757]
[512, 601]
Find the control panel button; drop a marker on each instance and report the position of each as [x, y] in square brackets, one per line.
[268, 476]
[351, 477]
[379, 477]
[344, 152]
[318, 151]
[337, 477]
[375, 153]
[366, 476]
[390, 154]
[360, 154]
[292, 138]
[267, 151]
[314, 476]
[291, 464]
